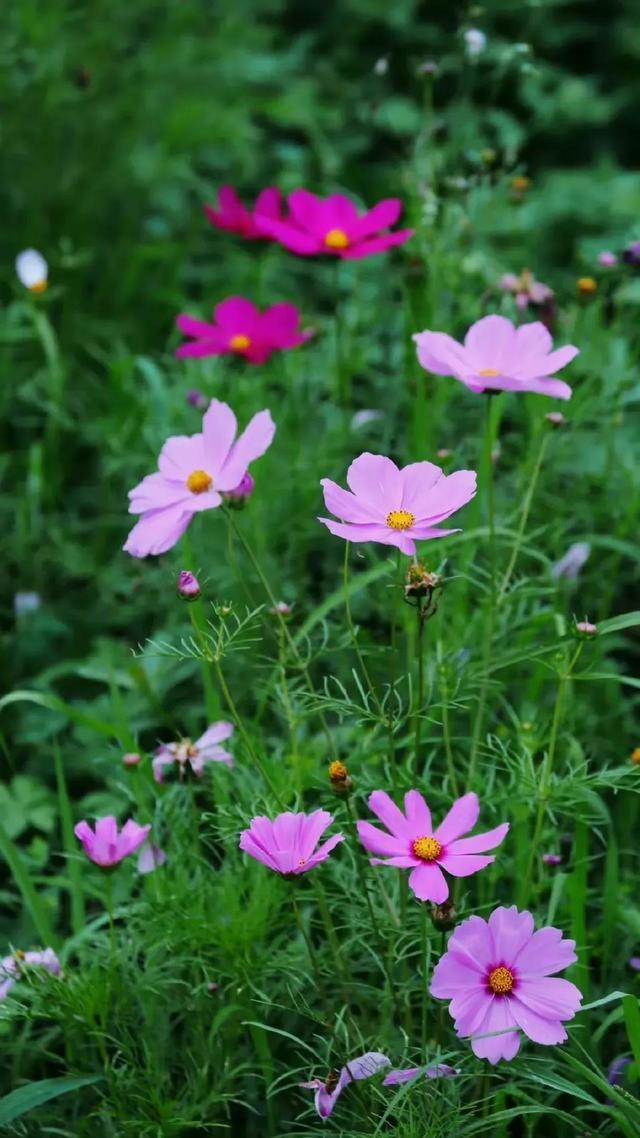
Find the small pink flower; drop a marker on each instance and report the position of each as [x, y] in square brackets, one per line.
[395, 506]
[497, 974]
[131, 759]
[106, 845]
[526, 289]
[150, 858]
[556, 418]
[413, 843]
[332, 225]
[12, 967]
[193, 472]
[552, 859]
[240, 329]
[634, 962]
[234, 217]
[281, 608]
[206, 749]
[497, 356]
[328, 1090]
[408, 1074]
[607, 259]
[288, 843]
[188, 585]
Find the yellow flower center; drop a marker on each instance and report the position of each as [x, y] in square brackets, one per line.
[336, 239]
[39, 286]
[400, 519]
[501, 981]
[427, 849]
[239, 343]
[488, 371]
[199, 481]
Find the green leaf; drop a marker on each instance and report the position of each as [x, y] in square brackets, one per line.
[631, 1009]
[32, 900]
[44, 699]
[617, 623]
[27, 1098]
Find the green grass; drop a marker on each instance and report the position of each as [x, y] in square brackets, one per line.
[120, 127]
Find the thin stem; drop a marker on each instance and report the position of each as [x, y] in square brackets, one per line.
[420, 696]
[352, 629]
[446, 726]
[307, 939]
[524, 517]
[245, 735]
[426, 961]
[375, 928]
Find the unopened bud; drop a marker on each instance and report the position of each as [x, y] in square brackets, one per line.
[607, 259]
[242, 492]
[586, 628]
[444, 916]
[281, 609]
[188, 585]
[339, 778]
[586, 286]
[635, 756]
[197, 398]
[552, 859]
[556, 418]
[131, 759]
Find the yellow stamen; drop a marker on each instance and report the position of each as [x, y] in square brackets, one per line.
[39, 286]
[501, 981]
[239, 343]
[400, 519]
[336, 239]
[488, 371]
[427, 849]
[199, 481]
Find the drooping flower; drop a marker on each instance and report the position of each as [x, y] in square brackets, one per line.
[193, 472]
[333, 225]
[289, 843]
[196, 755]
[328, 1090]
[32, 270]
[240, 329]
[572, 561]
[13, 967]
[188, 585]
[408, 1074]
[497, 356]
[395, 506]
[498, 975]
[234, 217]
[526, 289]
[106, 845]
[413, 843]
[150, 858]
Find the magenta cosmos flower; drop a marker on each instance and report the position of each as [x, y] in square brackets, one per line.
[106, 845]
[332, 225]
[193, 473]
[393, 506]
[413, 843]
[289, 843]
[206, 749]
[12, 967]
[231, 215]
[240, 329]
[498, 976]
[328, 1090]
[497, 356]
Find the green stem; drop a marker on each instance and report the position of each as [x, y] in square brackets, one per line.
[426, 961]
[244, 733]
[375, 927]
[524, 517]
[352, 630]
[446, 726]
[307, 939]
[420, 696]
[35, 906]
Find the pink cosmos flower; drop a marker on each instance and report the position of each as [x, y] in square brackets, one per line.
[332, 225]
[206, 749]
[413, 843]
[12, 967]
[439, 1071]
[393, 506]
[607, 259]
[497, 356]
[288, 843]
[526, 289]
[240, 329]
[106, 845]
[234, 217]
[193, 473]
[150, 858]
[328, 1090]
[498, 976]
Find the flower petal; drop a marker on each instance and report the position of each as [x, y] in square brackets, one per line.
[418, 823]
[251, 444]
[479, 842]
[464, 866]
[346, 506]
[461, 818]
[377, 481]
[377, 842]
[511, 930]
[428, 883]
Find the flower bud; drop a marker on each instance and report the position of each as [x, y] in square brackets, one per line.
[607, 259]
[242, 492]
[631, 255]
[131, 759]
[520, 184]
[281, 609]
[556, 418]
[586, 629]
[339, 778]
[188, 585]
[586, 286]
[197, 398]
[635, 756]
[32, 270]
[444, 916]
[421, 588]
[552, 859]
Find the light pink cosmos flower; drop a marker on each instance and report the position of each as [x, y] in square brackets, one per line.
[395, 506]
[408, 1074]
[206, 749]
[328, 1090]
[288, 843]
[150, 858]
[12, 967]
[526, 289]
[332, 225]
[497, 356]
[106, 845]
[498, 976]
[193, 473]
[241, 329]
[234, 217]
[413, 843]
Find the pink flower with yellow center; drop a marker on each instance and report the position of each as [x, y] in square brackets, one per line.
[234, 217]
[106, 845]
[498, 975]
[333, 225]
[240, 329]
[497, 356]
[289, 843]
[196, 754]
[412, 842]
[194, 471]
[395, 506]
